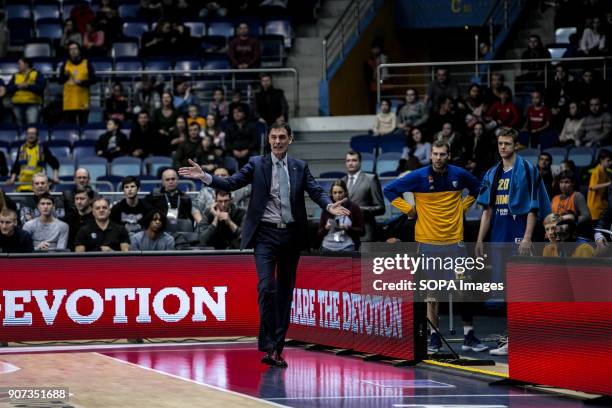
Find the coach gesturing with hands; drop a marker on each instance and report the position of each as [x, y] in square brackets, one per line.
[276, 227]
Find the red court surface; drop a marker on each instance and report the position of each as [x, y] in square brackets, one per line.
[319, 379]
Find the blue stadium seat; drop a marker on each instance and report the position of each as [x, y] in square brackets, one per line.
[272, 50]
[37, 49]
[387, 162]
[124, 49]
[332, 174]
[96, 114]
[223, 28]
[146, 186]
[13, 11]
[135, 28]
[93, 133]
[128, 64]
[531, 155]
[256, 27]
[392, 143]
[59, 148]
[102, 64]
[280, 27]
[563, 34]
[213, 43]
[103, 186]
[158, 64]
[8, 135]
[367, 162]
[44, 65]
[186, 185]
[83, 149]
[114, 179]
[125, 166]
[40, 11]
[557, 52]
[71, 135]
[197, 28]
[51, 31]
[19, 31]
[216, 63]
[127, 11]
[364, 143]
[187, 65]
[558, 154]
[95, 165]
[66, 168]
[154, 163]
[582, 156]
[64, 186]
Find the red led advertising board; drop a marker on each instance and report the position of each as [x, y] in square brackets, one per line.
[199, 295]
[559, 320]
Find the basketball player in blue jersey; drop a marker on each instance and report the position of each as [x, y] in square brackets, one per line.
[514, 198]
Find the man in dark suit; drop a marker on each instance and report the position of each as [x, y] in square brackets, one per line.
[275, 226]
[364, 190]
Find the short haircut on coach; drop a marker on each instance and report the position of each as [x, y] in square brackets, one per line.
[281, 126]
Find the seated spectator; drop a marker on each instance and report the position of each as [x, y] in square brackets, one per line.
[213, 130]
[94, 41]
[385, 121]
[108, 20]
[414, 113]
[546, 171]
[270, 104]
[172, 201]
[130, 210]
[504, 112]
[237, 101]
[81, 179]
[561, 91]
[561, 232]
[241, 137]
[537, 120]
[599, 183]
[569, 133]
[370, 67]
[220, 226]
[116, 106]
[102, 234]
[12, 238]
[206, 196]
[533, 71]
[77, 74]
[187, 150]
[478, 154]
[493, 94]
[448, 135]
[417, 148]
[27, 87]
[243, 50]
[341, 233]
[218, 106]
[32, 158]
[69, 35]
[113, 143]
[441, 88]
[474, 106]
[596, 126]
[193, 116]
[80, 214]
[444, 114]
[153, 236]
[147, 94]
[570, 201]
[144, 137]
[48, 233]
[216, 8]
[588, 88]
[158, 42]
[206, 156]
[183, 97]
[29, 207]
[593, 41]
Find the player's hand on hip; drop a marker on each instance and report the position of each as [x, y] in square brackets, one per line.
[193, 172]
[337, 208]
[479, 249]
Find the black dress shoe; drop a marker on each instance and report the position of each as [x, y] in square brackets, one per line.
[279, 361]
[269, 359]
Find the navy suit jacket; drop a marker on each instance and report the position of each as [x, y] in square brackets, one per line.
[258, 172]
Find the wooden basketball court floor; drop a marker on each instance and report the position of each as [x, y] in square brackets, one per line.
[229, 374]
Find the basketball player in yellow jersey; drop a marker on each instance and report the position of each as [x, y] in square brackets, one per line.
[77, 74]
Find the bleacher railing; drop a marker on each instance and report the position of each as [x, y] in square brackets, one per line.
[203, 83]
[400, 76]
[346, 30]
[500, 20]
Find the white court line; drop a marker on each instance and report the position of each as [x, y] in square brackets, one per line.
[6, 368]
[103, 347]
[414, 396]
[408, 384]
[214, 387]
[448, 406]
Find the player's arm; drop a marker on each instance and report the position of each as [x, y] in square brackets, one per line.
[485, 223]
[395, 190]
[525, 245]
